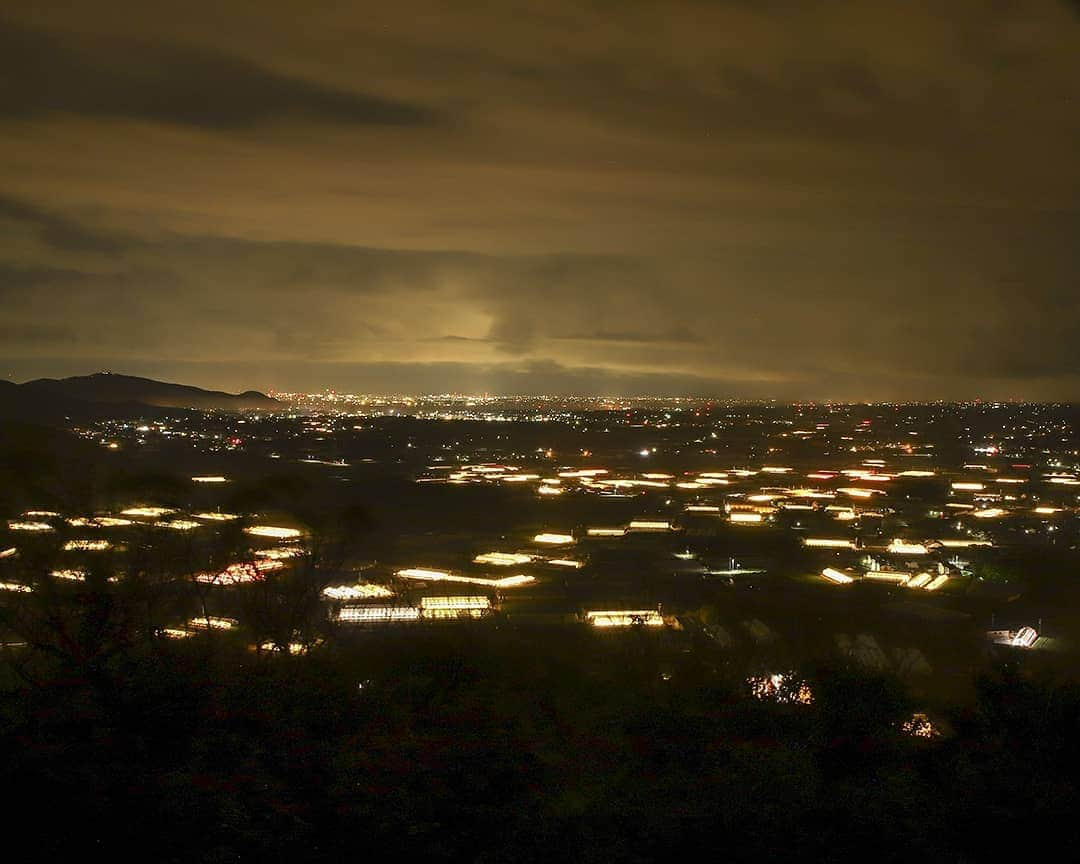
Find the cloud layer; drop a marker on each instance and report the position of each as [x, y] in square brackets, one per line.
[800, 200]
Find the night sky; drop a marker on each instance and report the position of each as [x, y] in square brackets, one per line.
[755, 198]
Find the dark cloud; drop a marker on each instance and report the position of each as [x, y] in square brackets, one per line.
[59, 232]
[150, 80]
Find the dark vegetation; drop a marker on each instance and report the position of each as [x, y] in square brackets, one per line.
[498, 740]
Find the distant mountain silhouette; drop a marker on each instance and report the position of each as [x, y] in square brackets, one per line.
[89, 393]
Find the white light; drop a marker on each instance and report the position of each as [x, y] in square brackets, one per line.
[111, 522]
[36, 527]
[625, 618]
[454, 607]
[360, 591]
[212, 623]
[426, 575]
[147, 512]
[210, 479]
[503, 559]
[86, 545]
[649, 525]
[273, 531]
[887, 576]
[827, 543]
[16, 587]
[377, 614]
[837, 576]
[900, 547]
[918, 581]
[554, 539]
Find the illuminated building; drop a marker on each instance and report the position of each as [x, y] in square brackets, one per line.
[273, 531]
[423, 574]
[86, 545]
[211, 622]
[886, 576]
[377, 614]
[147, 512]
[503, 559]
[33, 527]
[901, 547]
[919, 580]
[827, 543]
[937, 582]
[454, 607]
[649, 525]
[360, 591]
[625, 618]
[554, 539]
[240, 573]
[837, 576]
[16, 587]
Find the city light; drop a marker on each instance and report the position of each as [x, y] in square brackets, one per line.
[503, 559]
[625, 618]
[554, 539]
[360, 591]
[903, 547]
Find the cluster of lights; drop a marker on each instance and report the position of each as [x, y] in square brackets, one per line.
[919, 726]
[87, 545]
[776, 688]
